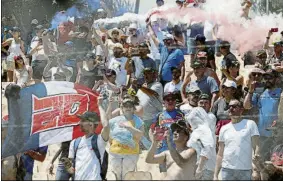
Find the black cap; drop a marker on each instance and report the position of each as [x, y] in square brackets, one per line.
[110, 72]
[180, 124]
[224, 44]
[39, 27]
[168, 94]
[89, 116]
[197, 64]
[175, 68]
[16, 29]
[235, 63]
[200, 38]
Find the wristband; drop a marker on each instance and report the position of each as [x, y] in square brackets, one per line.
[267, 37]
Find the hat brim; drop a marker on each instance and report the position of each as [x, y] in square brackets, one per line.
[111, 31]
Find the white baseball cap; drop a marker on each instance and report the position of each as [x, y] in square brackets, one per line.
[230, 83]
[133, 26]
[34, 21]
[167, 36]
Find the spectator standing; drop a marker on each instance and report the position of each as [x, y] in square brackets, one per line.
[170, 57]
[224, 48]
[220, 108]
[28, 158]
[39, 59]
[16, 48]
[206, 84]
[22, 73]
[176, 83]
[238, 141]
[126, 132]
[267, 103]
[118, 63]
[151, 103]
[87, 165]
[61, 173]
[180, 160]
[193, 94]
[135, 37]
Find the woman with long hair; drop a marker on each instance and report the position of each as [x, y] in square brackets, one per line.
[16, 48]
[22, 73]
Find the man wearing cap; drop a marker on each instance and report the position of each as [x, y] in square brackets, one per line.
[224, 49]
[152, 104]
[176, 83]
[193, 93]
[170, 56]
[261, 61]
[267, 103]
[238, 146]
[118, 63]
[167, 117]
[49, 71]
[207, 84]
[159, 3]
[201, 47]
[86, 164]
[135, 37]
[180, 160]
[39, 58]
[204, 102]
[203, 58]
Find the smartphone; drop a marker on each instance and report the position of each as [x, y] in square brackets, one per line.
[274, 30]
[160, 131]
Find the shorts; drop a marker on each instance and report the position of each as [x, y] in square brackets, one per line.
[236, 175]
[10, 65]
[38, 68]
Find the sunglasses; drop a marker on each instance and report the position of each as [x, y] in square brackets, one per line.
[128, 105]
[117, 33]
[170, 99]
[256, 74]
[233, 106]
[268, 77]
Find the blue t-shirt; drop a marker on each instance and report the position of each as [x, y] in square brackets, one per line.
[165, 119]
[168, 60]
[267, 103]
[207, 85]
[29, 162]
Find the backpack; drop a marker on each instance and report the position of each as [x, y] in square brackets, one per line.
[103, 164]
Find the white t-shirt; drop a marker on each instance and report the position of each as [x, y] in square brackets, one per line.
[186, 108]
[171, 87]
[118, 65]
[208, 30]
[55, 70]
[40, 54]
[237, 140]
[87, 165]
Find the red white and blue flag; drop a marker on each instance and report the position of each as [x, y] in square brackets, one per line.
[45, 114]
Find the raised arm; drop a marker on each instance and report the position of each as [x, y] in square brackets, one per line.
[180, 160]
[153, 158]
[219, 160]
[104, 120]
[153, 36]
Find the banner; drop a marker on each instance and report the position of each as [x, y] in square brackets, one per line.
[45, 114]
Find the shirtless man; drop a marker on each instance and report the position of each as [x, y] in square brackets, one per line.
[180, 162]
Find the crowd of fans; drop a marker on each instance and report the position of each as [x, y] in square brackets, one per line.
[160, 92]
